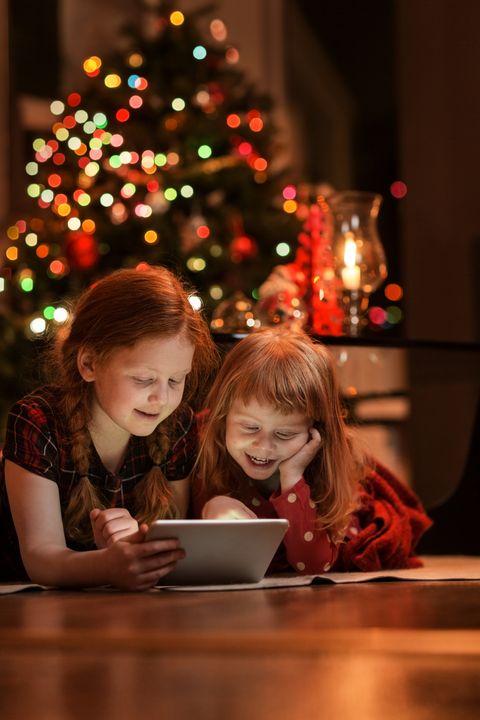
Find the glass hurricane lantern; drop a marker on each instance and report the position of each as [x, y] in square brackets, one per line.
[359, 257]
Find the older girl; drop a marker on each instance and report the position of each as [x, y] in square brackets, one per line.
[93, 457]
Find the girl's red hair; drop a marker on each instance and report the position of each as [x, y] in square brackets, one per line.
[292, 373]
[118, 311]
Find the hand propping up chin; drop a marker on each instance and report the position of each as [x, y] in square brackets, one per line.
[292, 469]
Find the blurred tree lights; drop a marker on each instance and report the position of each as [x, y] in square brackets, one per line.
[166, 158]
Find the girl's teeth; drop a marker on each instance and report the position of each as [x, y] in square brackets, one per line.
[262, 461]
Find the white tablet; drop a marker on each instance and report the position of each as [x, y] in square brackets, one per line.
[221, 551]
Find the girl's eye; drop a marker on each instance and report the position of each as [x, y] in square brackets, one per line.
[250, 428]
[142, 381]
[285, 436]
[176, 382]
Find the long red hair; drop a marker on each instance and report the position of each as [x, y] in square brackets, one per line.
[292, 373]
[118, 311]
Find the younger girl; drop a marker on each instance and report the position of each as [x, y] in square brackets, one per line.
[108, 444]
[275, 444]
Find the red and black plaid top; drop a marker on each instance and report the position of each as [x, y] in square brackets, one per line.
[37, 440]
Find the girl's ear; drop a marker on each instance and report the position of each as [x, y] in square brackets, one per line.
[86, 364]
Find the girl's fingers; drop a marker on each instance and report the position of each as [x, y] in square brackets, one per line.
[157, 547]
[315, 435]
[149, 580]
[110, 519]
[152, 569]
[116, 527]
[104, 516]
[156, 553]
[138, 536]
[160, 562]
[153, 578]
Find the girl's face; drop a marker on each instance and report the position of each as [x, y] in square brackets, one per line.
[138, 387]
[259, 437]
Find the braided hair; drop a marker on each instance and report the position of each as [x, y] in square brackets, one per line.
[121, 309]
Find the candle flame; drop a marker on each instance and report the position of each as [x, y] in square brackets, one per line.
[350, 253]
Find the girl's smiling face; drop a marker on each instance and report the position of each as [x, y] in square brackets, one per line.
[259, 437]
[139, 386]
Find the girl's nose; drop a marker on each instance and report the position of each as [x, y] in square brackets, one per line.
[158, 394]
[263, 440]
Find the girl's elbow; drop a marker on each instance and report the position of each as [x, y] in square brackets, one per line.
[41, 569]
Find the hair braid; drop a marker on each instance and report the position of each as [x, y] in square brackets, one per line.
[153, 495]
[84, 495]
[118, 311]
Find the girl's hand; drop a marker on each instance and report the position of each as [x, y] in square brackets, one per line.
[111, 525]
[292, 469]
[134, 564]
[222, 507]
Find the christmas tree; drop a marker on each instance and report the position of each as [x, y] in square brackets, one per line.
[167, 157]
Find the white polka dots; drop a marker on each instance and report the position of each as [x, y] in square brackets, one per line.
[255, 502]
[300, 566]
[308, 537]
[312, 504]
[291, 497]
[327, 567]
[353, 530]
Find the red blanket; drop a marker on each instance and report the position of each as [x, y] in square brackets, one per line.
[391, 522]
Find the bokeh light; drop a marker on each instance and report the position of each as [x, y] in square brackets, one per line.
[282, 249]
[398, 189]
[393, 292]
[199, 52]
[177, 18]
[218, 30]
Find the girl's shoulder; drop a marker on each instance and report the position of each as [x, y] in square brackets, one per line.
[35, 416]
[35, 431]
[39, 406]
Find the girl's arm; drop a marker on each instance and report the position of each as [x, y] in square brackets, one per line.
[309, 549]
[35, 506]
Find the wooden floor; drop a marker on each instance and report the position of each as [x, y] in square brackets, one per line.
[390, 650]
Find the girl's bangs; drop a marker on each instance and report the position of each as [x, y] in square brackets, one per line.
[285, 388]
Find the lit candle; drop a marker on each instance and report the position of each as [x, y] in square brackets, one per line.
[351, 271]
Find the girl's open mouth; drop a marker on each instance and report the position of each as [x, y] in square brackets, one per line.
[258, 460]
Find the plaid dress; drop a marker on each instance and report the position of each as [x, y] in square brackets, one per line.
[37, 440]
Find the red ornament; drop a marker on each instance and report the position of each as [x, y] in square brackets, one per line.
[81, 250]
[314, 273]
[243, 248]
